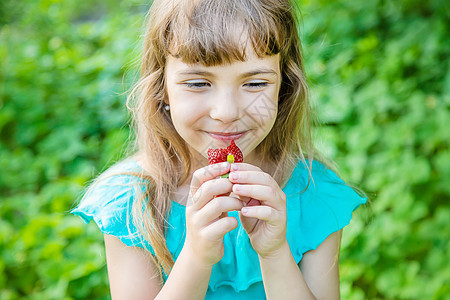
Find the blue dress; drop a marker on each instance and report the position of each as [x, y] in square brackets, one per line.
[325, 207]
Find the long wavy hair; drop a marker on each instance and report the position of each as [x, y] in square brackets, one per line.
[204, 31]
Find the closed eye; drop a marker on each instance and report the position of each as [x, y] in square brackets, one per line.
[256, 84]
[196, 84]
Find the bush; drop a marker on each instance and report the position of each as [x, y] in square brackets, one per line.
[380, 82]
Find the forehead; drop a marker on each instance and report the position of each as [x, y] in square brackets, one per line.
[253, 64]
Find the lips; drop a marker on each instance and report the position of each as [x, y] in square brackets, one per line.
[227, 136]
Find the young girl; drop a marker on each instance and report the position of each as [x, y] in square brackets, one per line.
[214, 71]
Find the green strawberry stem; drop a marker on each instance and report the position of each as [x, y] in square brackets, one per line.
[230, 159]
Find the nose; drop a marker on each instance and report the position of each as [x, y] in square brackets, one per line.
[225, 106]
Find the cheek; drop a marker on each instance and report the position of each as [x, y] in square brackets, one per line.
[185, 110]
[263, 107]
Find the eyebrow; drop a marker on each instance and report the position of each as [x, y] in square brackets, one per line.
[243, 75]
[195, 72]
[258, 72]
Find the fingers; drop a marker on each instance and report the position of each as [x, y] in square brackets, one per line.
[205, 174]
[215, 209]
[244, 167]
[258, 185]
[258, 192]
[242, 173]
[219, 228]
[254, 177]
[209, 190]
[265, 213]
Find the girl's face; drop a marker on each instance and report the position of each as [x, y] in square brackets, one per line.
[210, 106]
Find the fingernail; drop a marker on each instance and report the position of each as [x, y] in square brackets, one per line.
[234, 167]
[244, 210]
[224, 164]
[234, 176]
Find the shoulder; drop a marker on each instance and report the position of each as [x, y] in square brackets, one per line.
[312, 178]
[319, 188]
[319, 203]
[110, 199]
[127, 170]
[118, 184]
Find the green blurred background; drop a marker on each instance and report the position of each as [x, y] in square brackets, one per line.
[380, 82]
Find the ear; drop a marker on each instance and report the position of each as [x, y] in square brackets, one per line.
[166, 99]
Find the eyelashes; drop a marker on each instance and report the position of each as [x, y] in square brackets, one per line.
[199, 85]
[196, 84]
[257, 84]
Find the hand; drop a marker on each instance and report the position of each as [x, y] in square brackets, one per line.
[207, 220]
[264, 223]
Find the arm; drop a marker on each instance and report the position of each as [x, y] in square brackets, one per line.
[317, 277]
[131, 271]
[320, 268]
[133, 274]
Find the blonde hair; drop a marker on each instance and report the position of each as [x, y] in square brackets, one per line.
[202, 32]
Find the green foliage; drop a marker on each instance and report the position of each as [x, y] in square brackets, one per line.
[62, 120]
[380, 83]
[380, 79]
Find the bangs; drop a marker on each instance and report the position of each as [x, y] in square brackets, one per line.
[213, 32]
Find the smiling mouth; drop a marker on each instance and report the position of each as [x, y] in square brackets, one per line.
[227, 136]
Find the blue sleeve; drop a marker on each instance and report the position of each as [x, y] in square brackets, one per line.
[326, 206]
[109, 202]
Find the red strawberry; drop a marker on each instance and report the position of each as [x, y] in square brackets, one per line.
[216, 156]
[236, 152]
[220, 155]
